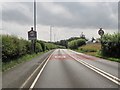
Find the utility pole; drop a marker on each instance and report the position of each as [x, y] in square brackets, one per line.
[54, 37]
[35, 15]
[32, 34]
[34, 24]
[50, 33]
[34, 41]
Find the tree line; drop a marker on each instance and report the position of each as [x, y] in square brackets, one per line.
[73, 42]
[110, 44]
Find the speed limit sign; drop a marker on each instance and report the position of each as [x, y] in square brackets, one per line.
[101, 32]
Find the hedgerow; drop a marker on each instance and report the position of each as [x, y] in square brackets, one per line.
[111, 45]
[74, 44]
[14, 47]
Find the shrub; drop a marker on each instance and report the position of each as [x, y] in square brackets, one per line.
[50, 46]
[38, 47]
[111, 45]
[76, 43]
[12, 47]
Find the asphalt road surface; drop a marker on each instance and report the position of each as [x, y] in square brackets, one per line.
[16, 76]
[63, 71]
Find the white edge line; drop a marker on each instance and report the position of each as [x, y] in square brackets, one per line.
[103, 72]
[22, 86]
[34, 82]
[30, 76]
[98, 71]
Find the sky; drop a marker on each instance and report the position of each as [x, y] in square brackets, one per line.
[68, 19]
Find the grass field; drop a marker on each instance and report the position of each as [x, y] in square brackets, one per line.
[91, 49]
[94, 50]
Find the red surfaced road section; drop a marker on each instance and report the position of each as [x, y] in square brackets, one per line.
[61, 57]
[86, 57]
[67, 57]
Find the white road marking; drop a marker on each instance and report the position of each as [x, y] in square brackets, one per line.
[60, 56]
[99, 71]
[23, 85]
[36, 79]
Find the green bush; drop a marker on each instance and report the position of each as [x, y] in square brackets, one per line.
[76, 43]
[50, 46]
[81, 42]
[12, 47]
[111, 45]
[38, 47]
[43, 47]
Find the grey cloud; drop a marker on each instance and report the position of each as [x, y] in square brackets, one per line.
[16, 16]
[84, 16]
[87, 16]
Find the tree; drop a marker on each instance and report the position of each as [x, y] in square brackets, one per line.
[82, 35]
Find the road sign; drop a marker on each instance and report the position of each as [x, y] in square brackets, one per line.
[101, 32]
[32, 35]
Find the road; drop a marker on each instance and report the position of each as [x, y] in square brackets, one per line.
[62, 71]
[16, 76]
[65, 69]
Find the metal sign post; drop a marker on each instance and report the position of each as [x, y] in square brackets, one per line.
[32, 35]
[101, 33]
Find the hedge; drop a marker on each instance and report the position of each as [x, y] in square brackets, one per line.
[111, 45]
[13, 47]
[76, 43]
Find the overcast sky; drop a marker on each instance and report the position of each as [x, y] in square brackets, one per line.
[68, 19]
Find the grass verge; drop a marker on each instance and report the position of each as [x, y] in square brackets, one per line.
[8, 65]
[94, 50]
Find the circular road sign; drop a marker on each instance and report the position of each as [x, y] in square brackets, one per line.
[100, 32]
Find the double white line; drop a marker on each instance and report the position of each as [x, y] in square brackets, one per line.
[38, 75]
[99, 71]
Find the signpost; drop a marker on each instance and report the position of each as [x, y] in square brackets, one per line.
[101, 33]
[32, 35]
